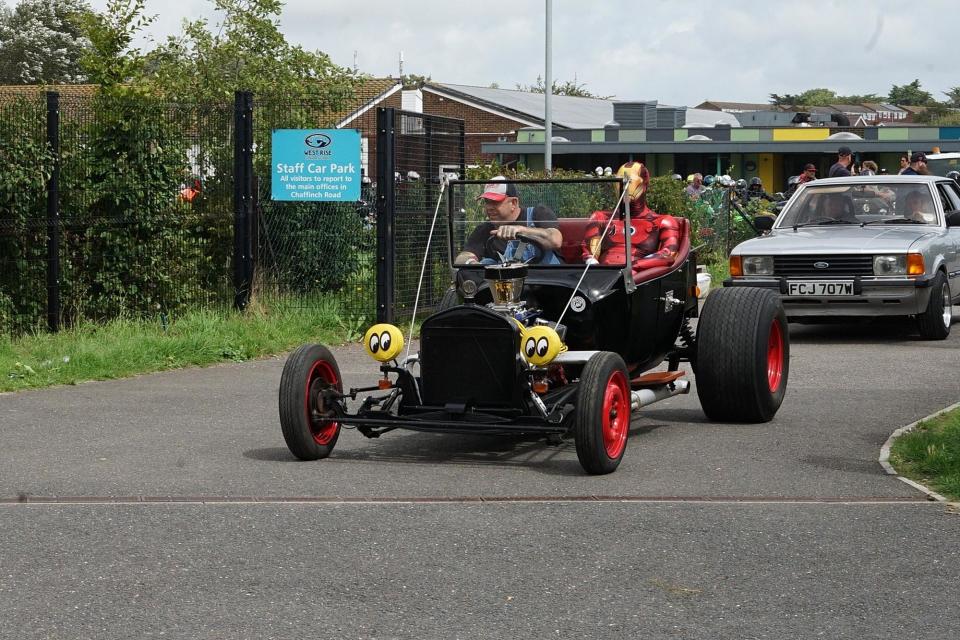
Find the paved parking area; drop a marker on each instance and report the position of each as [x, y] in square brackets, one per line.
[173, 508]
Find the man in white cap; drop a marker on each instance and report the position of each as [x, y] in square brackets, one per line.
[506, 218]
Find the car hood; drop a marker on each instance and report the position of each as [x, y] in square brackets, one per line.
[820, 240]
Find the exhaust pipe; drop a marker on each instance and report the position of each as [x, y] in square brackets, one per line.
[649, 395]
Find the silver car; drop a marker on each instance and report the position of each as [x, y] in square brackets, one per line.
[866, 246]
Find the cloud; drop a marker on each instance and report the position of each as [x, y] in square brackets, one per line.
[680, 52]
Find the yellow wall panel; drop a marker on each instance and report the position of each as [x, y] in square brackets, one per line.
[801, 134]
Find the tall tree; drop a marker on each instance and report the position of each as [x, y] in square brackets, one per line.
[42, 42]
[910, 94]
[246, 50]
[413, 81]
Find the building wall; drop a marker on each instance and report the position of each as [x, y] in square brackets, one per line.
[479, 126]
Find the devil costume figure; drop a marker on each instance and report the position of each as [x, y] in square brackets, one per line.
[656, 238]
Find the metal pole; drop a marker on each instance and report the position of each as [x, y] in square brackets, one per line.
[53, 213]
[386, 204]
[242, 195]
[547, 92]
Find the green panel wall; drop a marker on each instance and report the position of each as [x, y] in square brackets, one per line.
[892, 133]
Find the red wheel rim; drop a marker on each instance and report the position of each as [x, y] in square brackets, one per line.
[775, 357]
[616, 415]
[322, 376]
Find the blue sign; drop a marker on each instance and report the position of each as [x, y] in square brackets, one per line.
[316, 164]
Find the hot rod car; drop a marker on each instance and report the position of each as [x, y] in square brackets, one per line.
[550, 350]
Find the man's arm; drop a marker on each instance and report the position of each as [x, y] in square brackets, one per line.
[473, 248]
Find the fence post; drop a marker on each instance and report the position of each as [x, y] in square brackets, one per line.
[53, 213]
[386, 209]
[242, 197]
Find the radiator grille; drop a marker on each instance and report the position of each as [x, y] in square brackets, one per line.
[838, 266]
[469, 356]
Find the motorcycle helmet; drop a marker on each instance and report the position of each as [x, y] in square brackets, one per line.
[792, 180]
[741, 184]
[677, 177]
[708, 180]
[954, 175]
[756, 182]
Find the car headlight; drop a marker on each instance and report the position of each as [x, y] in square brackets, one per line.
[757, 266]
[890, 265]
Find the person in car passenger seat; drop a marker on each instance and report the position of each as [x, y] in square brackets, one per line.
[656, 237]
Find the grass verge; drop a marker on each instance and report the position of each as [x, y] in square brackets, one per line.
[930, 454]
[126, 347]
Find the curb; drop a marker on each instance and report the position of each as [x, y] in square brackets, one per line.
[885, 454]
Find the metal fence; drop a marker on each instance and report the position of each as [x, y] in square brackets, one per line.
[417, 150]
[138, 207]
[111, 207]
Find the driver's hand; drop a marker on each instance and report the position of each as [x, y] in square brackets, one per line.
[507, 231]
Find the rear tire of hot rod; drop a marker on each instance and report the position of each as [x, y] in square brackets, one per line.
[743, 355]
[308, 371]
[603, 413]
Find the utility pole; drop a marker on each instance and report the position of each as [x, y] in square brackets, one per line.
[401, 65]
[547, 93]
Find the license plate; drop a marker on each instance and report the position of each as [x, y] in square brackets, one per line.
[820, 288]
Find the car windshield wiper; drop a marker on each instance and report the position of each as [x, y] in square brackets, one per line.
[895, 221]
[822, 221]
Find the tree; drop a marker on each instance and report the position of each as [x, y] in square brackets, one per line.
[413, 81]
[860, 98]
[42, 42]
[567, 88]
[910, 94]
[246, 51]
[954, 96]
[785, 100]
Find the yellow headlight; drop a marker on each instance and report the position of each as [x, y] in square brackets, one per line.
[383, 342]
[540, 345]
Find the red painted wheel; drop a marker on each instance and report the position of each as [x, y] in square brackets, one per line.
[305, 412]
[775, 357]
[603, 413]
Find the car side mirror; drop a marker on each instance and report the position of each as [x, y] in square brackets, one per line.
[953, 219]
[764, 223]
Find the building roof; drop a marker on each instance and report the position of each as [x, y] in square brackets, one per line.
[883, 106]
[715, 105]
[567, 112]
[852, 108]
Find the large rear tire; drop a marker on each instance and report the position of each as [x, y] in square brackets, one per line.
[603, 413]
[743, 355]
[309, 371]
[935, 320]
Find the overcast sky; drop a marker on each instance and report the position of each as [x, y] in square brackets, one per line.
[676, 51]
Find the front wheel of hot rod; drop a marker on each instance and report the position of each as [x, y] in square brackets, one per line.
[603, 413]
[743, 355]
[309, 371]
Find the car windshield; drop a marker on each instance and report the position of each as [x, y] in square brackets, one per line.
[880, 203]
[570, 212]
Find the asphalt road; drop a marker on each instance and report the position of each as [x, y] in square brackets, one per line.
[167, 505]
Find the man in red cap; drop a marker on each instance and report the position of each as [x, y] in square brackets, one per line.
[489, 241]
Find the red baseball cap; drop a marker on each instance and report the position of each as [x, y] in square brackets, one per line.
[498, 190]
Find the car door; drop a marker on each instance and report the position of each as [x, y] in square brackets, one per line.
[950, 196]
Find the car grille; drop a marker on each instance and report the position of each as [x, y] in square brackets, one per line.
[838, 266]
[469, 355]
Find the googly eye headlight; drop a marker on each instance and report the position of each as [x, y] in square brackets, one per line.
[383, 342]
[540, 345]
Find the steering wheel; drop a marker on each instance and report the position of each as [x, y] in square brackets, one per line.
[539, 249]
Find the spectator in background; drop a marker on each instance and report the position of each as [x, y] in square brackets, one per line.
[904, 164]
[809, 173]
[695, 189]
[918, 165]
[841, 168]
[869, 168]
